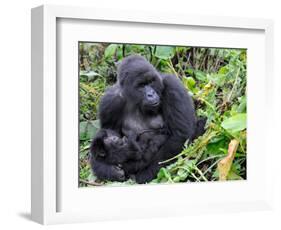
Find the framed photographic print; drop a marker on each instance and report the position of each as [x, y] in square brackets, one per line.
[139, 114]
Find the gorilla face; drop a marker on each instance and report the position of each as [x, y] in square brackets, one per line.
[109, 145]
[114, 142]
[148, 89]
[141, 84]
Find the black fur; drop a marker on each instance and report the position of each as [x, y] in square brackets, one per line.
[109, 150]
[143, 99]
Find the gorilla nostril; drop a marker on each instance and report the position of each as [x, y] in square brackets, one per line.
[150, 94]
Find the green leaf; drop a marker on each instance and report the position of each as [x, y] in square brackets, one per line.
[134, 49]
[163, 174]
[110, 50]
[233, 176]
[223, 70]
[189, 71]
[164, 52]
[217, 146]
[88, 129]
[176, 179]
[235, 123]
[243, 105]
[217, 79]
[189, 83]
[199, 75]
[182, 173]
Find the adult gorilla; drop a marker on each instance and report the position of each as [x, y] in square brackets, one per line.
[144, 101]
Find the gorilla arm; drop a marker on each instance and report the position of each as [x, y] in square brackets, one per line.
[111, 108]
[178, 109]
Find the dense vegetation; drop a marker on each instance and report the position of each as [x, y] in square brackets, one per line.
[216, 79]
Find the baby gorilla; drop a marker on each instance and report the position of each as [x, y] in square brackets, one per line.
[114, 157]
[109, 150]
[149, 141]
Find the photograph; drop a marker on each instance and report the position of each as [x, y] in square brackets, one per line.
[161, 114]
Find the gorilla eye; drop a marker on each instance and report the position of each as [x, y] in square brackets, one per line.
[151, 81]
[141, 85]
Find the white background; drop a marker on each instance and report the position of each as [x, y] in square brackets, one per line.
[15, 114]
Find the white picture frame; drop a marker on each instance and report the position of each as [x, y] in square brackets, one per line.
[56, 197]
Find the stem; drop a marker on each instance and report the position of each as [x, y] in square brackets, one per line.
[170, 64]
[201, 144]
[207, 103]
[234, 85]
[200, 173]
[216, 63]
[194, 176]
[89, 183]
[208, 169]
[210, 158]
[180, 68]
